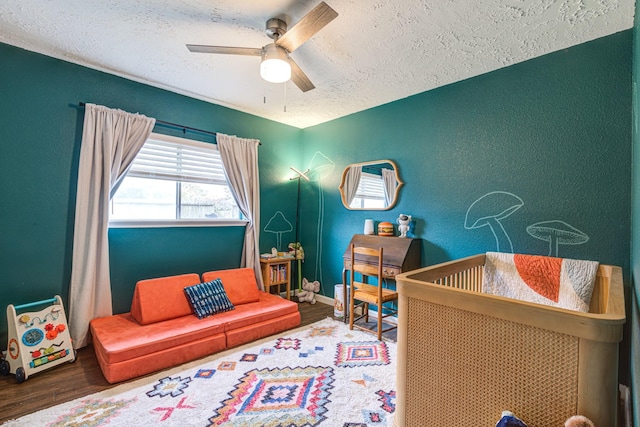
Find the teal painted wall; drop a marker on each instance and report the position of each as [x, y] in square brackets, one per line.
[40, 135]
[155, 252]
[633, 318]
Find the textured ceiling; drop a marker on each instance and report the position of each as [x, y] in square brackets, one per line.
[373, 53]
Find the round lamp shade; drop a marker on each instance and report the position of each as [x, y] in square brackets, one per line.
[275, 67]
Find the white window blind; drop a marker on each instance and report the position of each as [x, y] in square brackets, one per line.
[176, 159]
[370, 187]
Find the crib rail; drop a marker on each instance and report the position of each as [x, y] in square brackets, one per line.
[464, 274]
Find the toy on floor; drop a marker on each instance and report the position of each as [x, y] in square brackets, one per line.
[38, 340]
[510, 420]
[308, 294]
[578, 421]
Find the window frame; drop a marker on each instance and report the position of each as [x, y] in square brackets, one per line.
[176, 222]
[366, 181]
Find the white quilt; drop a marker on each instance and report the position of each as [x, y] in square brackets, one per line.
[558, 282]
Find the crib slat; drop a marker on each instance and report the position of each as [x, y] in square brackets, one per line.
[469, 279]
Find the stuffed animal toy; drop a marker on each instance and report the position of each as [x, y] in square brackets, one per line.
[510, 420]
[578, 421]
[404, 222]
[297, 252]
[308, 294]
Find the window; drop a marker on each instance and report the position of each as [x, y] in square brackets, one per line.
[370, 192]
[174, 180]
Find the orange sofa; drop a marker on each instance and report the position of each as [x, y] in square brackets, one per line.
[161, 330]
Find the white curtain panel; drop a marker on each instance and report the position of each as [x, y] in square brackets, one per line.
[240, 159]
[389, 180]
[351, 183]
[110, 141]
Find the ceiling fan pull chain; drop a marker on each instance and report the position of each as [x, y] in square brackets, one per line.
[285, 97]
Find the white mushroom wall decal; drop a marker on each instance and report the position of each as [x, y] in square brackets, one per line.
[278, 224]
[320, 167]
[489, 211]
[557, 233]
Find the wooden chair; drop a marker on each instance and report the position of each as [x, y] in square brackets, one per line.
[366, 293]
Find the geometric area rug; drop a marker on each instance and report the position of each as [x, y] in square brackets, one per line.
[322, 374]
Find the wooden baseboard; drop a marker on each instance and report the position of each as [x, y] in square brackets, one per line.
[324, 300]
[319, 298]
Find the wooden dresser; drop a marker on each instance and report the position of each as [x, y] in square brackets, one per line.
[400, 254]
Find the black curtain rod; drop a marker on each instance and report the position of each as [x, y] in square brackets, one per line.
[174, 125]
[184, 128]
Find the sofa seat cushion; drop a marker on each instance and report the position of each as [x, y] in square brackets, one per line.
[155, 300]
[120, 337]
[239, 283]
[267, 308]
[256, 331]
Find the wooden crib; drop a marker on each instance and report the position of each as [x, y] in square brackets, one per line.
[465, 356]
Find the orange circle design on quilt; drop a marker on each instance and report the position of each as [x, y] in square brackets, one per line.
[542, 274]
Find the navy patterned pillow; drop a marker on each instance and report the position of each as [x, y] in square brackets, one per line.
[208, 298]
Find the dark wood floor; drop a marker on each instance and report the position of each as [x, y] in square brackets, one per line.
[72, 380]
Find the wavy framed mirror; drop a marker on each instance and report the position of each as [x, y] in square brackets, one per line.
[373, 185]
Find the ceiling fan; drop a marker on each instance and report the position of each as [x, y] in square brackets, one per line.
[277, 66]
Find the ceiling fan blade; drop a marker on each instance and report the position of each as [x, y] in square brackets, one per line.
[198, 48]
[310, 24]
[299, 78]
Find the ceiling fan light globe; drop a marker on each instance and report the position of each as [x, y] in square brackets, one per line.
[275, 70]
[275, 67]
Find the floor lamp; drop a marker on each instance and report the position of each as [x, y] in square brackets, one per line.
[299, 175]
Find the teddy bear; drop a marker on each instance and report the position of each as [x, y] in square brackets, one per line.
[308, 294]
[404, 222]
[578, 421]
